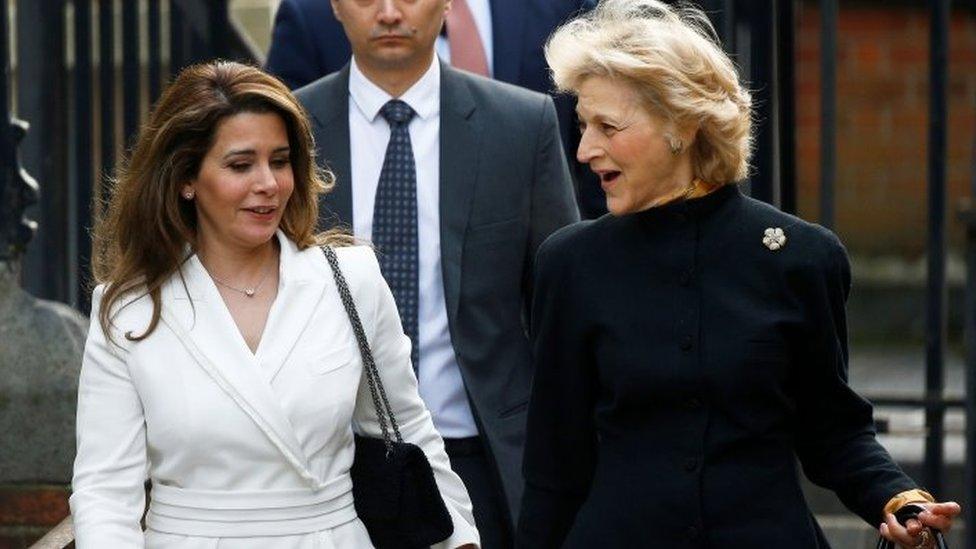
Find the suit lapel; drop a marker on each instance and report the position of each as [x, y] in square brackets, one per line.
[327, 101]
[459, 152]
[507, 24]
[299, 296]
[207, 331]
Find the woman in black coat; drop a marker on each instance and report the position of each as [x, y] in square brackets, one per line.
[691, 347]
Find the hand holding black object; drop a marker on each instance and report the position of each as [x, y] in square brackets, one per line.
[918, 525]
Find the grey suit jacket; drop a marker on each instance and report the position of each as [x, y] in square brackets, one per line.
[504, 188]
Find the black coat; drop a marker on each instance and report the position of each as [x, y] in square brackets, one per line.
[682, 369]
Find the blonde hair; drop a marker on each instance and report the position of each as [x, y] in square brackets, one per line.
[142, 237]
[671, 56]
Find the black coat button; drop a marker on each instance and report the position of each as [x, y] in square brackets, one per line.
[693, 403]
[692, 532]
[691, 464]
[686, 343]
[685, 278]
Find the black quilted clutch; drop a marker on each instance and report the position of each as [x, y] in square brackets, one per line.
[396, 496]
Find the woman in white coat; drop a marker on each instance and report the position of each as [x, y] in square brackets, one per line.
[220, 363]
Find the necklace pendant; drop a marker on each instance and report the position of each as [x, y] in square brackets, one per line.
[249, 292]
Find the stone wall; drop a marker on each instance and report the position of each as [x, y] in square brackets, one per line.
[41, 344]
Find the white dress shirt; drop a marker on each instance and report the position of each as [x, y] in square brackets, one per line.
[481, 12]
[441, 385]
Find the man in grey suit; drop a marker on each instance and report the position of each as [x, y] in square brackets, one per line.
[457, 180]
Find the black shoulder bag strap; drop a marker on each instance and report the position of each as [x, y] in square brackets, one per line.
[383, 410]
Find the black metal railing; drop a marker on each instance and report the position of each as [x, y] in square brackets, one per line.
[828, 110]
[18, 190]
[760, 36]
[968, 216]
[933, 402]
[935, 295]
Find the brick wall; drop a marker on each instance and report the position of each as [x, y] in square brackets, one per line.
[882, 103]
[27, 512]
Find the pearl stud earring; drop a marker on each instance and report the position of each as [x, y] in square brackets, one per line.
[674, 143]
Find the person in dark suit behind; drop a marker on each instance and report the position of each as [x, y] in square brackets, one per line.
[692, 345]
[308, 42]
[456, 179]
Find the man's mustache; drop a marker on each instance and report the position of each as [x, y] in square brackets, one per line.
[387, 32]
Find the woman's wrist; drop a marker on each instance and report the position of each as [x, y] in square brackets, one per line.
[908, 496]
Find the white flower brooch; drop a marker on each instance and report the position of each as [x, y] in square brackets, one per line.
[774, 239]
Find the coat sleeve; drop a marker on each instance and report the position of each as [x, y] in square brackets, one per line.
[391, 351]
[560, 450]
[553, 205]
[108, 496]
[292, 56]
[836, 440]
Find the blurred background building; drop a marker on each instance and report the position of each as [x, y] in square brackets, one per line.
[866, 122]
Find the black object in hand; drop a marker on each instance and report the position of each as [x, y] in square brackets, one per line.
[903, 515]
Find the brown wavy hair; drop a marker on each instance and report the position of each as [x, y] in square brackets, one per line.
[143, 235]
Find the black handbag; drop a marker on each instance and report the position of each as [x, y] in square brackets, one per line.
[902, 515]
[393, 485]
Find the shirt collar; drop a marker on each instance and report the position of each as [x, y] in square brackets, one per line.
[423, 97]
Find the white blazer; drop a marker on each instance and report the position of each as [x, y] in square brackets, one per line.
[244, 449]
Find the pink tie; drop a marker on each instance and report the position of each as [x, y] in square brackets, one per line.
[467, 52]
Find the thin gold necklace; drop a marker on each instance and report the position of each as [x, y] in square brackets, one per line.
[249, 292]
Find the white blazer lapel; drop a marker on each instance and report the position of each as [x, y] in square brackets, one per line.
[210, 336]
[299, 295]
